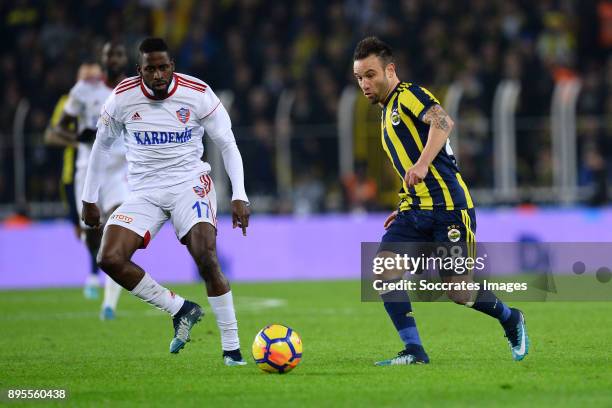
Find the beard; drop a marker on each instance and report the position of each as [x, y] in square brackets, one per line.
[161, 92]
[381, 92]
[115, 72]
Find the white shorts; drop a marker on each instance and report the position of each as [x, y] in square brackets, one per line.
[114, 190]
[185, 204]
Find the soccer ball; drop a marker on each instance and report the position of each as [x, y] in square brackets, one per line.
[277, 349]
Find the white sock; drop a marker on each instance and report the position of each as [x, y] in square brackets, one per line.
[155, 294]
[92, 280]
[112, 290]
[223, 308]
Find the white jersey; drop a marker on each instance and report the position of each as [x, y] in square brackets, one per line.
[163, 137]
[85, 101]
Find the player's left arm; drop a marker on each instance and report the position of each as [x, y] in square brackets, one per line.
[440, 126]
[50, 136]
[218, 126]
[62, 133]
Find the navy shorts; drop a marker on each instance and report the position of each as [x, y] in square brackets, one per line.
[435, 226]
[437, 232]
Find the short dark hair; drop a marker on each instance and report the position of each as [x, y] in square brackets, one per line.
[152, 44]
[373, 46]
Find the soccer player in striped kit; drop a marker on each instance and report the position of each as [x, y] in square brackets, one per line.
[435, 204]
[162, 117]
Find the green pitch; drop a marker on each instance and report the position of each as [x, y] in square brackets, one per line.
[53, 339]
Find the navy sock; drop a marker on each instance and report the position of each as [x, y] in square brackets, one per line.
[93, 264]
[487, 303]
[399, 308]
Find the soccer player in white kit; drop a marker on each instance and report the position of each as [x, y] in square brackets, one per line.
[162, 116]
[83, 109]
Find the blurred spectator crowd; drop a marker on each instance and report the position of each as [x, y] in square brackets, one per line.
[261, 49]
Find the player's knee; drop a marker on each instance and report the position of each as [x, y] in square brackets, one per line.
[110, 262]
[458, 296]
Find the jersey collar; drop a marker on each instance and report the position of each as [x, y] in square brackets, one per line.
[149, 92]
[391, 94]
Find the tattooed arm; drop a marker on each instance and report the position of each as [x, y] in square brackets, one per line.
[436, 117]
[440, 126]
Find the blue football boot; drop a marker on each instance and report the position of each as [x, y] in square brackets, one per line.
[183, 322]
[517, 336]
[412, 354]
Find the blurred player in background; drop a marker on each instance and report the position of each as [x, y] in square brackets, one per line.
[163, 116]
[87, 72]
[81, 112]
[435, 204]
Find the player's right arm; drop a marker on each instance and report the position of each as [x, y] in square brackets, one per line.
[109, 129]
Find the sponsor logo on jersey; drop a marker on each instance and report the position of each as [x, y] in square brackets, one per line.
[122, 218]
[183, 115]
[154, 138]
[136, 116]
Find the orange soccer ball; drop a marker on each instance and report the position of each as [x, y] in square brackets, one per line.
[277, 349]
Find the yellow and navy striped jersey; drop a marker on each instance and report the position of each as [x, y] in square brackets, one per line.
[404, 135]
[69, 151]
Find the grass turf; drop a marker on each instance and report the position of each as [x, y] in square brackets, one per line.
[53, 339]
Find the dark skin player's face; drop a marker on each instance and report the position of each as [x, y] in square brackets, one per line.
[114, 58]
[156, 71]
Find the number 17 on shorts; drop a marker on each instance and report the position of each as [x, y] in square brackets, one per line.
[200, 207]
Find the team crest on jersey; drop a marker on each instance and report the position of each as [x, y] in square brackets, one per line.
[183, 115]
[203, 189]
[199, 191]
[395, 117]
[454, 234]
